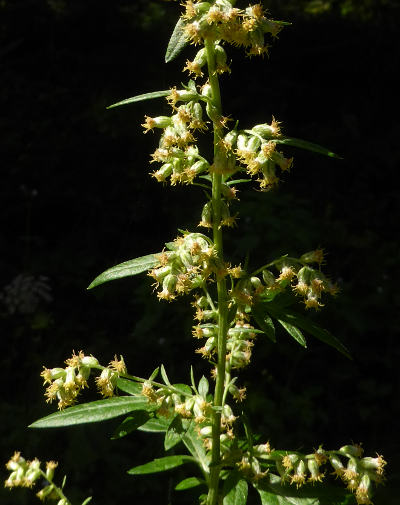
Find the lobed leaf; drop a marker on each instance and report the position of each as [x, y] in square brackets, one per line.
[126, 269]
[140, 98]
[161, 465]
[177, 42]
[93, 412]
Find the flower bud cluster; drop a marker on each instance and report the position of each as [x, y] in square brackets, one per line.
[180, 158]
[256, 150]
[226, 218]
[358, 474]
[186, 267]
[27, 473]
[219, 20]
[66, 383]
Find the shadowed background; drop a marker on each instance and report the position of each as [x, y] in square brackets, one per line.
[76, 199]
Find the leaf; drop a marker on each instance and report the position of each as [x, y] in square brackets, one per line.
[304, 144]
[155, 425]
[235, 490]
[139, 98]
[130, 424]
[183, 388]
[189, 483]
[196, 448]
[160, 464]
[164, 375]
[126, 269]
[294, 332]
[310, 327]
[128, 386]
[174, 433]
[93, 412]
[177, 42]
[264, 321]
[203, 387]
[88, 499]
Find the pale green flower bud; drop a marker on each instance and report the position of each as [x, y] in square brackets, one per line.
[256, 283]
[268, 278]
[206, 90]
[230, 138]
[200, 166]
[201, 57]
[242, 141]
[169, 283]
[210, 344]
[253, 144]
[220, 57]
[350, 450]
[89, 361]
[206, 431]
[206, 216]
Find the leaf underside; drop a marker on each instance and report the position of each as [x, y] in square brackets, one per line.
[177, 42]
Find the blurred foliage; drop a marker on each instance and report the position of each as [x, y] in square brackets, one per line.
[75, 196]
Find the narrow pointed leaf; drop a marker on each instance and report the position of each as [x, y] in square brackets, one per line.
[294, 332]
[140, 98]
[88, 499]
[160, 465]
[196, 448]
[314, 329]
[264, 321]
[304, 144]
[177, 42]
[126, 269]
[189, 483]
[130, 424]
[164, 375]
[93, 412]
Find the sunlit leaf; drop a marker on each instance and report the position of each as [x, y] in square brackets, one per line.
[128, 386]
[161, 464]
[304, 144]
[177, 42]
[235, 490]
[126, 269]
[93, 412]
[140, 98]
[155, 425]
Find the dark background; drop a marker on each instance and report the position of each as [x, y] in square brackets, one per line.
[76, 199]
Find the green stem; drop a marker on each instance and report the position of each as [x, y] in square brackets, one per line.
[221, 283]
[56, 489]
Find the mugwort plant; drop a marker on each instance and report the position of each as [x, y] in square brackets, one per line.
[233, 304]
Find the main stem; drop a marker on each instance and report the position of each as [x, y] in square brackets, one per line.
[221, 284]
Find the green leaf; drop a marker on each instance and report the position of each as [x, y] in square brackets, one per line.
[263, 320]
[189, 483]
[87, 500]
[196, 448]
[128, 386]
[164, 375]
[237, 493]
[139, 98]
[160, 464]
[126, 269]
[183, 388]
[93, 412]
[308, 325]
[304, 144]
[155, 425]
[174, 433]
[177, 42]
[130, 424]
[294, 332]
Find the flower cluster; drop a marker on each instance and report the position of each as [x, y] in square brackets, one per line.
[305, 280]
[239, 343]
[27, 473]
[190, 262]
[256, 150]
[180, 158]
[357, 474]
[221, 21]
[65, 384]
